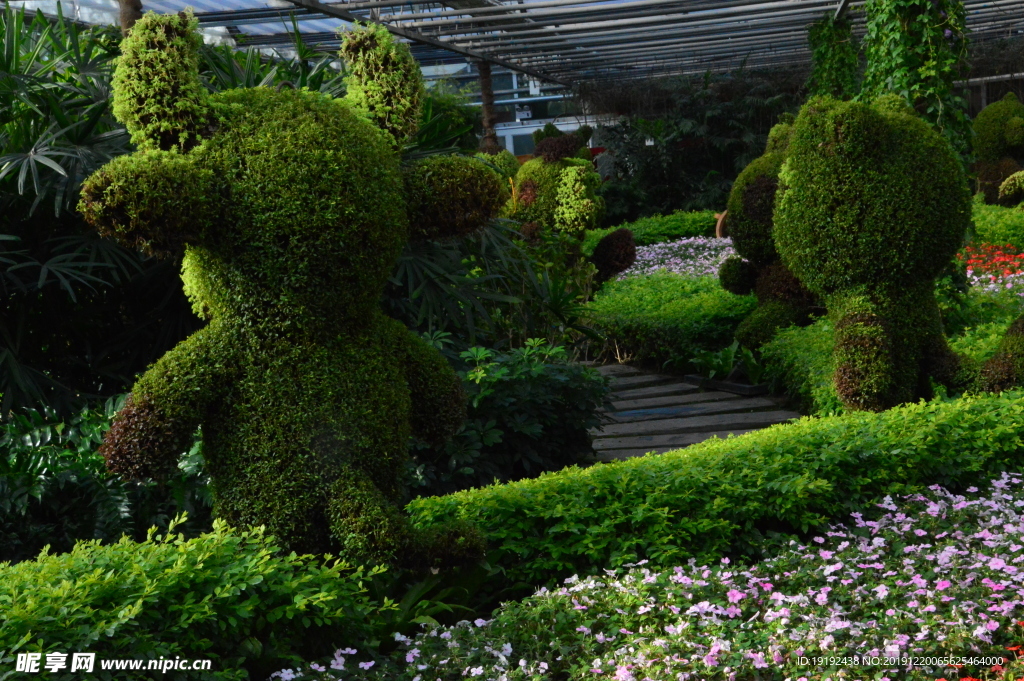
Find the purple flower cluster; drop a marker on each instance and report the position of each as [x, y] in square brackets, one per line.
[939, 575]
[994, 283]
[693, 257]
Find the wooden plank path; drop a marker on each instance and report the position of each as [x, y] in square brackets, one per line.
[658, 413]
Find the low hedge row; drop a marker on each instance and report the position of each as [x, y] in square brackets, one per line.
[666, 317]
[658, 229]
[725, 496]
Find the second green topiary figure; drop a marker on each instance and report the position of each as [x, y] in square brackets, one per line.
[781, 300]
[291, 210]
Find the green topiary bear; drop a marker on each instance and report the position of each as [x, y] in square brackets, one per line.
[873, 204]
[998, 144]
[291, 210]
[782, 301]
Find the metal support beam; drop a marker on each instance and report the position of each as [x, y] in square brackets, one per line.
[333, 11]
[841, 10]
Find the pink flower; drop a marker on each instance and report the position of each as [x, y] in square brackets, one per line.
[943, 584]
[735, 596]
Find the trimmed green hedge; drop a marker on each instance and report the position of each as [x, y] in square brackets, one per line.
[667, 317]
[997, 224]
[723, 496]
[232, 598]
[658, 229]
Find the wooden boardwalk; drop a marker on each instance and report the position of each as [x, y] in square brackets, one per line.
[656, 413]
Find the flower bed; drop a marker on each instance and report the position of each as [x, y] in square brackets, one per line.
[694, 257]
[938, 576]
[992, 267]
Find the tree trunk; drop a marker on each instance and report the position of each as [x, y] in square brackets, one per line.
[131, 11]
[489, 142]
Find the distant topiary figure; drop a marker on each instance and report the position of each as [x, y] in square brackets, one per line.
[872, 206]
[384, 81]
[782, 301]
[290, 210]
[614, 254]
[998, 144]
[558, 189]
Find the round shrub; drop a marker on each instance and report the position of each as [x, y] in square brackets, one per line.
[751, 204]
[451, 196]
[994, 136]
[1005, 370]
[1011, 191]
[504, 163]
[615, 253]
[737, 276]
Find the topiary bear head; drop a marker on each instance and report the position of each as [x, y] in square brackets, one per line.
[870, 196]
[289, 206]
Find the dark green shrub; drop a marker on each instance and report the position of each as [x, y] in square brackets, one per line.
[229, 597]
[724, 496]
[873, 205]
[658, 229]
[1006, 368]
[529, 412]
[666, 317]
[737, 275]
[55, 489]
[447, 197]
[614, 253]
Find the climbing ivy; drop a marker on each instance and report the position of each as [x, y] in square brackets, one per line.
[834, 58]
[914, 48]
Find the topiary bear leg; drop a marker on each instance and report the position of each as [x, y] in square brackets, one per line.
[438, 400]
[1005, 370]
[373, 531]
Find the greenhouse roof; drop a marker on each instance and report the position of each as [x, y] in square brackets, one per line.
[557, 41]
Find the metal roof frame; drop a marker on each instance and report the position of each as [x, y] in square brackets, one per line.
[564, 42]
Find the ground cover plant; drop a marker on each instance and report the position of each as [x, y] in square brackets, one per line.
[723, 496]
[933, 574]
[229, 596]
[663, 316]
[995, 224]
[658, 228]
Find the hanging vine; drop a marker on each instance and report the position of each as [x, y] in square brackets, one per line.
[914, 48]
[834, 58]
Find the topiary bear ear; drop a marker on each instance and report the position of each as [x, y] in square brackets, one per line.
[157, 93]
[451, 196]
[385, 82]
[154, 201]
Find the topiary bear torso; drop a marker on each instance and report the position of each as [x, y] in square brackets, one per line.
[293, 215]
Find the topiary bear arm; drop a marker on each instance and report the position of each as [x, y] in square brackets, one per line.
[154, 201]
[438, 400]
[167, 405]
